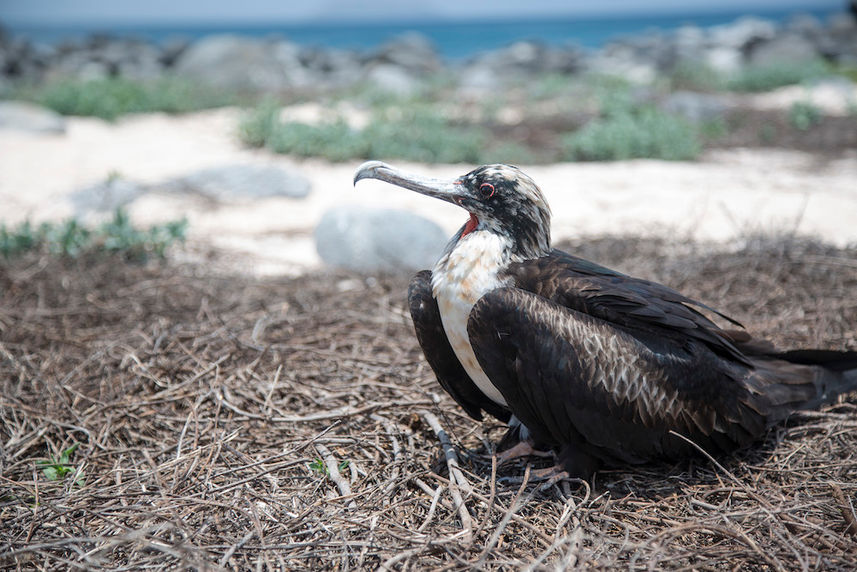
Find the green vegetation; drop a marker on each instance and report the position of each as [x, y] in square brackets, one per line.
[319, 467]
[696, 76]
[628, 131]
[420, 129]
[71, 239]
[804, 114]
[57, 468]
[768, 77]
[111, 97]
[416, 132]
[441, 123]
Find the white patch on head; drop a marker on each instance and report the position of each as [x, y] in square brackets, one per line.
[459, 279]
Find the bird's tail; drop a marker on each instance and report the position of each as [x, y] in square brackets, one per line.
[803, 379]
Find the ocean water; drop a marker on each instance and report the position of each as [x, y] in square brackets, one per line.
[454, 40]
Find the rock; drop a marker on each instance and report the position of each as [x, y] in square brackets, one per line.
[234, 63]
[172, 49]
[789, 48]
[241, 182]
[516, 63]
[477, 79]
[842, 39]
[689, 41]
[696, 107]
[288, 57]
[20, 59]
[805, 25]
[724, 59]
[331, 67]
[392, 79]
[741, 33]
[26, 116]
[653, 48]
[78, 64]
[621, 60]
[132, 59]
[371, 240]
[412, 52]
[106, 196]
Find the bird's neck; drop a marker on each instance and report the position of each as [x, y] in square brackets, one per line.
[472, 262]
[528, 240]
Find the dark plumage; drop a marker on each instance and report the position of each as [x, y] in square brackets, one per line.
[596, 365]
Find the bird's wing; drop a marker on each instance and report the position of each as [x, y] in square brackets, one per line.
[650, 310]
[440, 355]
[577, 380]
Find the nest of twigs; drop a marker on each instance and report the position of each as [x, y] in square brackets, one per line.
[229, 422]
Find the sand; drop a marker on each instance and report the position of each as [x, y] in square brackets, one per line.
[721, 198]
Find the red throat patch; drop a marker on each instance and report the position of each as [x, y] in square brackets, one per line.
[470, 226]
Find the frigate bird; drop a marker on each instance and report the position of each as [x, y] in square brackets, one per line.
[599, 367]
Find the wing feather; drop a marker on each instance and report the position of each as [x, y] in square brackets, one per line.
[577, 380]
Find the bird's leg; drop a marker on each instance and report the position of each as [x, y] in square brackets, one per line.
[521, 449]
[548, 475]
[552, 474]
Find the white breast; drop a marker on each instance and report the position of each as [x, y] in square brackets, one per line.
[458, 280]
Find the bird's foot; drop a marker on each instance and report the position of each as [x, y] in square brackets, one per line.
[547, 476]
[521, 449]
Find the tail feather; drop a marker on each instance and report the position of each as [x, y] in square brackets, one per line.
[801, 380]
[829, 359]
[835, 373]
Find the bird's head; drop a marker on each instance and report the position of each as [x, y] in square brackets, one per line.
[500, 199]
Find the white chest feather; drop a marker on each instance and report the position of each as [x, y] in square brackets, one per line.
[458, 280]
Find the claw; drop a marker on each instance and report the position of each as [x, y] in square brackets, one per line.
[548, 475]
[521, 449]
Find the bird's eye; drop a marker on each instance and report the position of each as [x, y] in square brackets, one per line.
[487, 190]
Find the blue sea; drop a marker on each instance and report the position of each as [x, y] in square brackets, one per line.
[453, 40]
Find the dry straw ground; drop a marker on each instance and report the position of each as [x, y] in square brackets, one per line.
[226, 422]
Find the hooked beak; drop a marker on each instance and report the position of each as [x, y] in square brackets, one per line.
[450, 191]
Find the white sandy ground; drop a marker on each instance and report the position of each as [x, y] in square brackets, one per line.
[721, 197]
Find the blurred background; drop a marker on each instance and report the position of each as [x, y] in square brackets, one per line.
[246, 119]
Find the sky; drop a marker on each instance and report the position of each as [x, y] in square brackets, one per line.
[57, 12]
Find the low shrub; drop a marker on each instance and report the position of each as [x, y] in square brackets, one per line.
[109, 98]
[412, 133]
[804, 114]
[767, 77]
[645, 132]
[72, 239]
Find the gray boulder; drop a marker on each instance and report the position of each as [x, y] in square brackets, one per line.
[106, 196]
[241, 182]
[742, 32]
[477, 79]
[412, 51]
[79, 64]
[518, 62]
[842, 39]
[370, 240]
[785, 48]
[654, 48]
[622, 60]
[25, 116]
[690, 42]
[392, 79]
[171, 49]
[696, 107]
[235, 63]
[133, 59]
